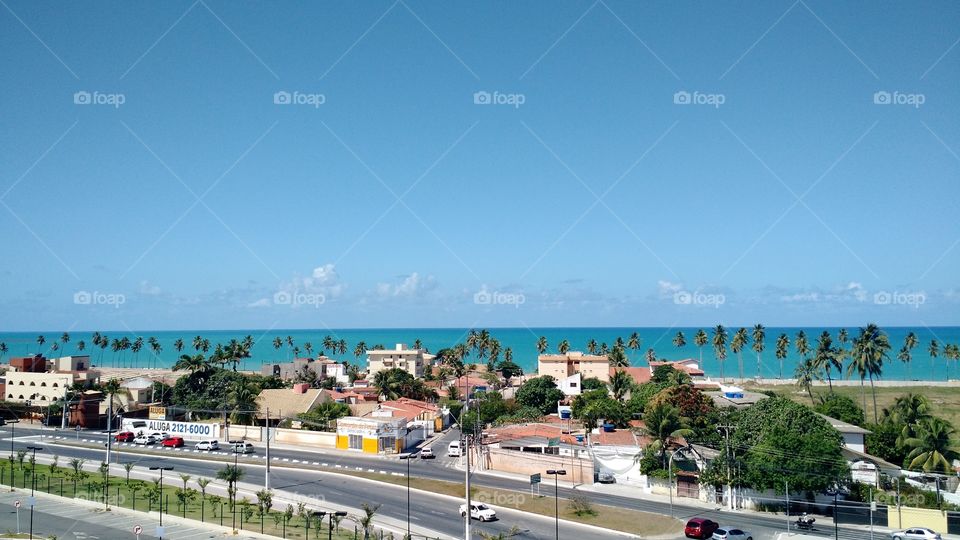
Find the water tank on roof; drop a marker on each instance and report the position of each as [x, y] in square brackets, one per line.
[608, 427]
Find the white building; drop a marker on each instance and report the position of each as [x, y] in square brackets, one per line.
[412, 361]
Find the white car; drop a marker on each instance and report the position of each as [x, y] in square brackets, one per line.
[921, 533]
[478, 511]
[427, 453]
[207, 445]
[158, 436]
[454, 449]
[144, 440]
[731, 533]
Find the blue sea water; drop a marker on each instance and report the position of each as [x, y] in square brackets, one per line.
[521, 340]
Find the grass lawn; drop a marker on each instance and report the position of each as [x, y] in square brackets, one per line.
[945, 401]
[145, 496]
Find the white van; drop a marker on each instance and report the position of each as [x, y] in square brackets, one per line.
[454, 449]
[242, 447]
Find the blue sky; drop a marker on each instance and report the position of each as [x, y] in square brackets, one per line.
[810, 178]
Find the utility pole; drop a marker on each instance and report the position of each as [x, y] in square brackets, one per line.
[266, 478]
[466, 436]
[786, 492]
[730, 503]
[109, 429]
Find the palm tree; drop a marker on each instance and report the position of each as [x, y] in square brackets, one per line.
[104, 343]
[700, 339]
[328, 343]
[759, 335]
[64, 339]
[542, 345]
[740, 340]
[933, 350]
[720, 346]
[242, 401]
[277, 343]
[592, 346]
[651, 356]
[366, 520]
[178, 345]
[633, 343]
[617, 358]
[825, 357]
[360, 349]
[81, 345]
[783, 343]
[198, 343]
[155, 347]
[802, 345]
[342, 346]
[620, 384]
[194, 364]
[932, 448]
[909, 343]
[870, 349]
[41, 340]
[805, 374]
[908, 410]
[3, 350]
[111, 388]
[231, 474]
[679, 340]
[663, 423]
[309, 348]
[563, 347]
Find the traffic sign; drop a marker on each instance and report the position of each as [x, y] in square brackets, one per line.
[137, 529]
[535, 478]
[16, 503]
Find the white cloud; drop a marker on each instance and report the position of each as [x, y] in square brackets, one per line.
[149, 289]
[322, 280]
[410, 286]
[263, 302]
[667, 288]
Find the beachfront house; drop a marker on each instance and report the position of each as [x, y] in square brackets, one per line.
[562, 366]
[413, 361]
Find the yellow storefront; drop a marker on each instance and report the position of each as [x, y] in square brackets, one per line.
[371, 435]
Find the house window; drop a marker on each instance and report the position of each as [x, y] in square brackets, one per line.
[388, 444]
[355, 442]
[43, 384]
[10, 396]
[32, 383]
[21, 383]
[55, 385]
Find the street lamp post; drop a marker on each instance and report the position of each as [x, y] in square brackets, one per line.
[330, 523]
[161, 469]
[406, 457]
[13, 422]
[33, 483]
[556, 496]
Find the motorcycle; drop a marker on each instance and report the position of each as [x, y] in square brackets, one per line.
[805, 522]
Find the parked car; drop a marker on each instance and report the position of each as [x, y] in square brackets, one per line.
[731, 533]
[241, 447]
[207, 445]
[453, 450]
[144, 440]
[606, 478]
[478, 511]
[700, 528]
[173, 442]
[158, 436]
[124, 436]
[427, 453]
[915, 533]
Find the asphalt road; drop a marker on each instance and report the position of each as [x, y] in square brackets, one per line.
[438, 513]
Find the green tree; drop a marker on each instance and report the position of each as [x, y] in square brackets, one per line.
[592, 383]
[621, 383]
[320, 417]
[759, 335]
[783, 343]
[542, 345]
[541, 393]
[231, 475]
[739, 341]
[825, 357]
[720, 346]
[617, 358]
[664, 425]
[805, 374]
[679, 340]
[366, 520]
[563, 347]
[840, 407]
[592, 406]
[932, 448]
[700, 339]
[870, 349]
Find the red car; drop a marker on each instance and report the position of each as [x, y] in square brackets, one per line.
[174, 442]
[124, 436]
[700, 528]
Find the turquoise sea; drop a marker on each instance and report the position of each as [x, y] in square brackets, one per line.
[521, 340]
